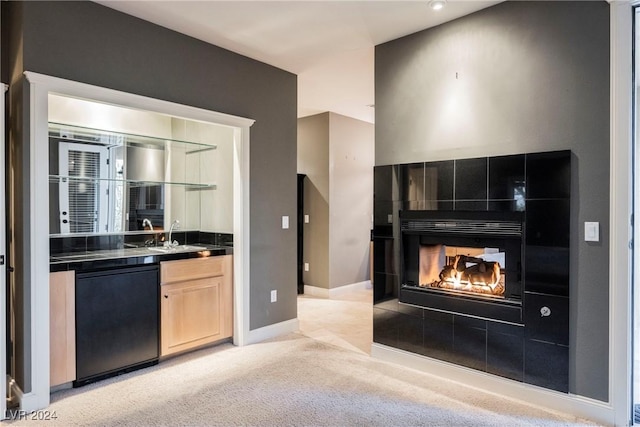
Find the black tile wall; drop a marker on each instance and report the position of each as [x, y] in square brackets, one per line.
[384, 286]
[470, 205]
[546, 317]
[410, 335]
[506, 177]
[546, 365]
[438, 334]
[469, 342]
[549, 175]
[547, 223]
[412, 183]
[384, 256]
[505, 350]
[385, 327]
[471, 179]
[384, 183]
[537, 184]
[439, 180]
[383, 218]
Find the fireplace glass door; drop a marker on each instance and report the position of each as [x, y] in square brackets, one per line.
[462, 269]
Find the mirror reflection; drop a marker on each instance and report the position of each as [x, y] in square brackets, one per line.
[117, 170]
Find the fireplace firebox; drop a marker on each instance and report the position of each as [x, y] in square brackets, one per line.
[465, 262]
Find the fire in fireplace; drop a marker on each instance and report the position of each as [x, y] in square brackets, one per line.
[463, 262]
[462, 269]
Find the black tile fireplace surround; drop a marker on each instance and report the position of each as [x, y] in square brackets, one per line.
[517, 326]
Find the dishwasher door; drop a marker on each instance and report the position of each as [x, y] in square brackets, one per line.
[116, 322]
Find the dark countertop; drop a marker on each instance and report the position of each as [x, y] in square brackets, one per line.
[114, 258]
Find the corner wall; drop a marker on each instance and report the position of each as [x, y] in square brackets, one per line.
[517, 77]
[336, 153]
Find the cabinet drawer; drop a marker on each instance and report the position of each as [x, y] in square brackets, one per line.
[189, 269]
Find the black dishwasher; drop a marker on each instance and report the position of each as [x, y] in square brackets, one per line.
[116, 322]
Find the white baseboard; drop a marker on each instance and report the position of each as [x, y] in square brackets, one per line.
[335, 292]
[578, 406]
[27, 402]
[272, 331]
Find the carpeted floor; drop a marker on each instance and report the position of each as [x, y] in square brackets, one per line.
[293, 380]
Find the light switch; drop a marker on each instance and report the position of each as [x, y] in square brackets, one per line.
[591, 231]
[390, 219]
[306, 219]
[285, 222]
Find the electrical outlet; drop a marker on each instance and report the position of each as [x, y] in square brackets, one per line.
[274, 295]
[306, 219]
[306, 266]
[285, 222]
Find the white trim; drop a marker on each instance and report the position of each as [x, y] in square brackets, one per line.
[272, 331]
[316, 291]
[115, 97]
[532, 395]
[242, 237]
[37, 265]
[37, 273]
[620, 262]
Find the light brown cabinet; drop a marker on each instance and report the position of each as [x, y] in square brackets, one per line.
[196, 303]
[62, 327]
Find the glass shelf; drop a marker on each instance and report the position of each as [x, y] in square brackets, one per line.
[57, 179]
[108, 138]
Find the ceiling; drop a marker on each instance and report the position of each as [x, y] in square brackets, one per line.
[328, 44]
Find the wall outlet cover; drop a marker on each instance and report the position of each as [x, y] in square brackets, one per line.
[591, 231]
[285, 222]
[274, 295]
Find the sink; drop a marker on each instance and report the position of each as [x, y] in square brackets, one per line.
[175, 249]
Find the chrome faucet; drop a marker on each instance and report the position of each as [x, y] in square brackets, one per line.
[170, 242]
[146, 222]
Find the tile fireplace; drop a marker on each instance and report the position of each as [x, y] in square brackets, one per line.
[471, 263]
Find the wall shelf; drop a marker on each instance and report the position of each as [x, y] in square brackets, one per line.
[85, 135]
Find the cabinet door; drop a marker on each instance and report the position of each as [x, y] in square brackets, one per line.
[62, 327]
[192, 314]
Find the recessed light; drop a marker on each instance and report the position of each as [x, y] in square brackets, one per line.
[437, 4]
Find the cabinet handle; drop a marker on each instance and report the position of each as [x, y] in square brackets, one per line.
[166, 296]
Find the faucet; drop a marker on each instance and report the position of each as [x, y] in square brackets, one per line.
[146, 222]
[170, 242]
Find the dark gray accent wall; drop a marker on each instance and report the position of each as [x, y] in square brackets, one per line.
[517, 77]
[90, 43]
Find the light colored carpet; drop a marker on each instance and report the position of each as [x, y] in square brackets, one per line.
[293, 380]
[345, 321]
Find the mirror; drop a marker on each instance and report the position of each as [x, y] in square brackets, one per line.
[127, 171]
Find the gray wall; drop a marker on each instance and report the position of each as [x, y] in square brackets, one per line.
[313, 161]
[516, 77]
[90, 43]
[336, 153]
[351, 199]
